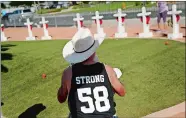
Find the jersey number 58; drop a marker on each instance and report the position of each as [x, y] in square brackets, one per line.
[98, 99]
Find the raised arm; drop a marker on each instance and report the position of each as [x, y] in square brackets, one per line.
[63, 90]
[117, 86]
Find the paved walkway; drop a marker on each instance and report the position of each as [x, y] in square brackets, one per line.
[133, 27]
[177, 111]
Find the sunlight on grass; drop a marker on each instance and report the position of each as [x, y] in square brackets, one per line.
[153, 75]
[101, 7]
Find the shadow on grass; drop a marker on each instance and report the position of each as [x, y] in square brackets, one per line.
[2, 103]
[4, 69]
[4, 49]
[7, 45]
[5, 56]
[32, 111]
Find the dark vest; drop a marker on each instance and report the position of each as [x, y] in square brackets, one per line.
[91, 93]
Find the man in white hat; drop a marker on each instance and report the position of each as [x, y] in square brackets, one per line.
[88, 84]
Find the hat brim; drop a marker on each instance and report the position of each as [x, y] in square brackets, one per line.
[72, 57]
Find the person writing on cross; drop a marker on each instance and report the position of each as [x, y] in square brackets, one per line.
[162, 13]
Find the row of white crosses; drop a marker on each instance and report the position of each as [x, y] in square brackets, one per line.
[144, 16]
[145, 19]
[30, 34]
[175, 17]
[120, 29]
[45, 29]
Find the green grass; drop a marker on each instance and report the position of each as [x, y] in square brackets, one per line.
[102, 7]
[108, 7]
[105, 7]
[153, 74]
[45, 11]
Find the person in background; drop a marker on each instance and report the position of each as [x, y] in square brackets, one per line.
[3, 12]
[162, 13]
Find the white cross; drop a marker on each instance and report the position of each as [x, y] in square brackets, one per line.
[97, 18]
[2, 26]
[121, 30]
[44, 23]
[146, 32]
[3, 37]
[28, 23]
[174, 12]
[78, 19]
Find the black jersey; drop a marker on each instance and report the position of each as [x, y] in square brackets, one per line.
[91, 93]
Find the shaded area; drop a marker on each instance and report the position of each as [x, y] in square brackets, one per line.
[160, 32]
[154, 30]
[4, 68]
[8, 38]
[4, 49]
[33, 111]
[2, 103]
[5, 56]
[7, 45]
[164, 34]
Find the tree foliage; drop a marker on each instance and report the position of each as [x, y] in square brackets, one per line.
[85, 2]
[3, 5]
[74, 2]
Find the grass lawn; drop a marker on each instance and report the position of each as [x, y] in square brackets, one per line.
[99, 7]
[45, 11]
[153, 74]
[111, 7]
[104, 7]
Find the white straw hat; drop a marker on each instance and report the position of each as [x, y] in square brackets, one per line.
[82, 46]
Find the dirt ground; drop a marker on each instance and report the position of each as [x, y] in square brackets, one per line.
[179, 115]
[20, 34]
[176, 111]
